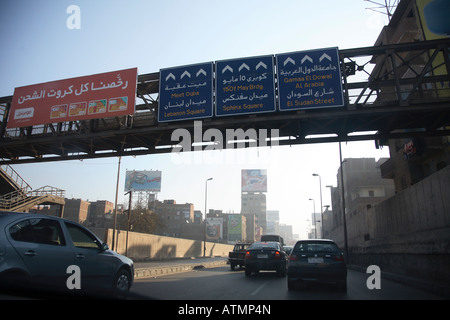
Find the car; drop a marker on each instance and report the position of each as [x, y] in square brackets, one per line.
[237, 256]
[317, 260]
[287, 249]
[50, 254]
[272, 237]
[266, 256]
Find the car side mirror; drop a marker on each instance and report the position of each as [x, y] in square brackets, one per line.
[104, 247]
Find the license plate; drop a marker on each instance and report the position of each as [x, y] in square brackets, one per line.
[315, 260]
[262, 256]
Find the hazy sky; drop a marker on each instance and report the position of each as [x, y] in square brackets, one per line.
[150, 35]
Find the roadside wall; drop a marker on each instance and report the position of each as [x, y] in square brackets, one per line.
[407, 234]
[143, 246]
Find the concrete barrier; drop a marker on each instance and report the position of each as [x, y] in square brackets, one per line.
[407, 235]
[143, 246]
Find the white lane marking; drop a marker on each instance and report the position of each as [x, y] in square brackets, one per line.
[255, 292]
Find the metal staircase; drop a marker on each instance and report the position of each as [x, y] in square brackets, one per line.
[17, 195]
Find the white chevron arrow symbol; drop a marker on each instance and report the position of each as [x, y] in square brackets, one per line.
[201, 71]
[289, 59]
[185, 73]
[227, 68]
[261, 64]
[244, 66]
[307, 58]
[324, 56]
[170, 75]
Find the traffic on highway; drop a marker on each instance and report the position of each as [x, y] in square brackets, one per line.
[47, 257]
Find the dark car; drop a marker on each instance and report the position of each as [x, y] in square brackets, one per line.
[49, 254]
[287, 249]
[237, 256]
[265, 256]
[317, 260]
[272, 237]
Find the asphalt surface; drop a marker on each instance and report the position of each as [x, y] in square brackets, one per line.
[224, 284]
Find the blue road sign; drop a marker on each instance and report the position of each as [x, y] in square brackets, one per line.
[186, 92]
[245, 86]
[309, 79]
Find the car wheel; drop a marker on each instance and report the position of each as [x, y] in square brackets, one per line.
[122, 282]
[248, 272]
[232, 266]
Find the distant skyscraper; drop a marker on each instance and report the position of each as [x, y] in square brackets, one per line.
[253, 197]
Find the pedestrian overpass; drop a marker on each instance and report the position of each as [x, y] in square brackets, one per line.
[390, 91]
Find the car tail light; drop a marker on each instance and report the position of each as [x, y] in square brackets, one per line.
[293, 257]
[247, 255]
[339, 257]
[277, 255]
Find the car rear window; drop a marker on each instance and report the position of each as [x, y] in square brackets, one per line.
[262, 245]
[315, 246]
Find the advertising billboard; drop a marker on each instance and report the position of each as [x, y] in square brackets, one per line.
[254, 180]
[96, 96]
[214, 229]
[143, 181]
[234, 227]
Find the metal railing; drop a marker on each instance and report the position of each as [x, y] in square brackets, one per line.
[12, 174]
[18, 198]
[387, 89]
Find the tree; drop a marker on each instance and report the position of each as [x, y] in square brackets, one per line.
[142, 220]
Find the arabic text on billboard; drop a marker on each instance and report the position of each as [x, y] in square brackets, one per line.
[254, 180]
[103, 95]
[143, 181]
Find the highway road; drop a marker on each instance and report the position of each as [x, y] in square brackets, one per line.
[221, 283]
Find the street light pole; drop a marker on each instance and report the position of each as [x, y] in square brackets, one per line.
[129, 218]
[314, 218]
[321, 206]
[115, 208]
[206, 201]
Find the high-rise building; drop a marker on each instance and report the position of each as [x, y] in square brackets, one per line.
[363, 188]
[272, 221]
[253, 200]
[416, 158]
[255, 204]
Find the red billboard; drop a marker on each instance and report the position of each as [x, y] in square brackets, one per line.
[96, 96]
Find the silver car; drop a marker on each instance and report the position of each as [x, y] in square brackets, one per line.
[39, 252]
